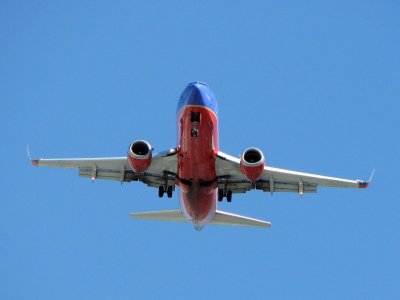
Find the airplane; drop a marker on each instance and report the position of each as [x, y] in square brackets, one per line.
[203, 173]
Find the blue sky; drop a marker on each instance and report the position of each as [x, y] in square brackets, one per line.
[313, 84]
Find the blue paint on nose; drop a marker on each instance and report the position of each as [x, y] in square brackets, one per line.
[198, 93]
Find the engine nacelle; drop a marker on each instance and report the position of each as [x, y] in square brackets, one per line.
[139, 156]
[252, 163]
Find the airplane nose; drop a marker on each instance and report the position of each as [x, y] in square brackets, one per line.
[198, 93]
[195, 94]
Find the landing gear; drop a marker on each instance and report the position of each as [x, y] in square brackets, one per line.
[194, 132]
[221, 195]
[229, 196]
[195, 120]
[169, 192]
[161, 191]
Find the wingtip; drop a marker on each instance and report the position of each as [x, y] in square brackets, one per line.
[34, 161]
[363, 184]
[372, 175]
[30, 158]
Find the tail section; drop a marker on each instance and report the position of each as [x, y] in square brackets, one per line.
[220, 218]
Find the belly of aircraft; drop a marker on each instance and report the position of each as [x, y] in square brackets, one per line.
[196, 166]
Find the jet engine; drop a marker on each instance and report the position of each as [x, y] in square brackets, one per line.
[139, 156]
[252, 163]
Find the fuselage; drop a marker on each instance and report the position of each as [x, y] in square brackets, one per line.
[197, 121]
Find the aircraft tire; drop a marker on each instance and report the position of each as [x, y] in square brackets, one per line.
[169, 192]
[220, 195]
[229, 196]
[161, 191]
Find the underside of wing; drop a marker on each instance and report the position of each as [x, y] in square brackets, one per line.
[99, 162]
[275, 179]
[161, 171]
[316, 179]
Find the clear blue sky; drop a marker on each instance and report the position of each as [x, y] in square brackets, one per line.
[314, 84]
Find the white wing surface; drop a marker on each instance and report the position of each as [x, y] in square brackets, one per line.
[225, 218]
[275, 179]
[163, 215]
[220, 218]
[161, 172]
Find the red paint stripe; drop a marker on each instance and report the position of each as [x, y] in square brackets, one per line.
[363, 184]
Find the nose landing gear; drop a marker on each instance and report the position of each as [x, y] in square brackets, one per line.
[195, 120]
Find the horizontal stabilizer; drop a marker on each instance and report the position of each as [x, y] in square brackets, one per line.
[163, 215]
[224, 218]
[220, 218]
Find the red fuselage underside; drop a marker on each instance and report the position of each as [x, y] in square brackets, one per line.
[196, 164]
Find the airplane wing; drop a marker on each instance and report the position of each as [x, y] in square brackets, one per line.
[162, 170]
[230, 177]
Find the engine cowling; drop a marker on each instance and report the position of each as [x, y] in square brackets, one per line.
[252, 163]
[139, 156]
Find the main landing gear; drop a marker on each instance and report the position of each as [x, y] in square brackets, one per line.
[162, 190]
[221, 195]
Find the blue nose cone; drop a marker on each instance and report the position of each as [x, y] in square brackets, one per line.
[198, 93]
